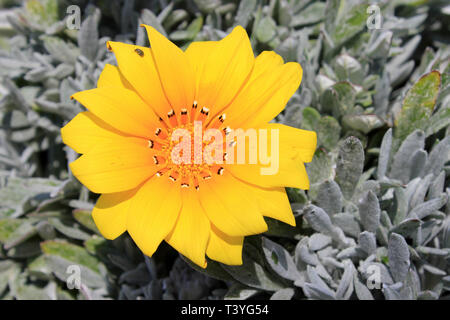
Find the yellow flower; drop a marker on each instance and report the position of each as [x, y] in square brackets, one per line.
[126, 141]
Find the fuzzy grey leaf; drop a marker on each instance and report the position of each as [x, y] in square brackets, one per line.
[369, 211]
[283, 294]
[427, 208]
[427, 295]
[362, 292]
[418, 196]
[279, 259]
[88, 36]
[385, 152]
[367, 242]
[438, 156]
[239, 292]
[350, 165]
[418, 160]
[314, 291]
[245, 12]
[318, 219]
[329, 197]
[303, 254]
[345, 289]
[437, 186]
[402, 161]
[398, 253]
[347, 223]
[318, 241]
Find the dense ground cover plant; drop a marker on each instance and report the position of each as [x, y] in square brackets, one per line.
[376, 215]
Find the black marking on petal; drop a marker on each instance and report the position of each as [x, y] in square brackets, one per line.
[150, 144]
[222, 117]
[159, 174]
[155, 159]
[227, 130]
[185, 185]
[205, 111]
[172, 178]
[194, 105]
[207, 177]
[171, 113]
[158, 131]
[183, 111]
[220, 171]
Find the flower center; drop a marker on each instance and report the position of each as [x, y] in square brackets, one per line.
[186, 151]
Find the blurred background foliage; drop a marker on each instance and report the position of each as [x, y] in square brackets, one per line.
[375, 223]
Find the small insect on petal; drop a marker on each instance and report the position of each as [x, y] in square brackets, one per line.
[139, 52]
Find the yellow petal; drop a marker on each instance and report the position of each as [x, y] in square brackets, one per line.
[197, 54]
[111, 77]
[264, 97]
[153, 213]
[291, 173]
[191, 232]
[110, 213]
[273, 203]
[284, 167]
[174, 70]
[141, 73]
[226, 70]
[224, 248]
[86, 131]
[120, 108]
[114, 167]
[301, 142]
[230, 207]
[266, 61]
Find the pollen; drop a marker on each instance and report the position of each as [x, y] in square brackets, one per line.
[187, 169]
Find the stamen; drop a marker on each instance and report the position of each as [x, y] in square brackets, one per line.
[196, 184]
[161, 120]
[174, 175]
[227, 130]
[218, 169]
[205, 175]
[159, 159]
[162, 172]
[161, 133]
[194, 110]
[185, 182]
[217, 123]
[184, 116]
[172, 118]
[204, 113]
[152, 144]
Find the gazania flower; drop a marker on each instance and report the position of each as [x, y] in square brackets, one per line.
[200, 209]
